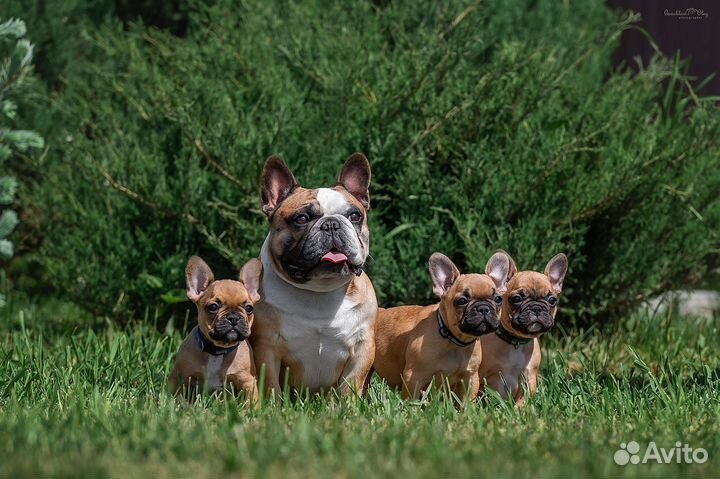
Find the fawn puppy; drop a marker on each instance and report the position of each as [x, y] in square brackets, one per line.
[416, 344]
[511, 358]
[216, 353]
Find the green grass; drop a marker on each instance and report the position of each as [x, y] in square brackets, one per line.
[81, 397]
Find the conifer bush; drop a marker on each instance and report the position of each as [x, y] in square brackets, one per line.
[487, 126]
[16, 55]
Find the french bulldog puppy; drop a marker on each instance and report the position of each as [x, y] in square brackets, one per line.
[216, 353]
[416, 344]
[511, 358]
[315, 326]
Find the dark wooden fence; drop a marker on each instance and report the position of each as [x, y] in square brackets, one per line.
[691, 27]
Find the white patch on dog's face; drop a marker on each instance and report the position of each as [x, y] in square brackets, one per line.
[332, 202]
[301, 247]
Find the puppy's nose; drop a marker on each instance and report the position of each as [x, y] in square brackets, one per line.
[482, 309]
[233, 318]
[330, 225]
[537, 309]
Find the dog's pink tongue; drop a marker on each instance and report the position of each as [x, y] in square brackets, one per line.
[334, 257]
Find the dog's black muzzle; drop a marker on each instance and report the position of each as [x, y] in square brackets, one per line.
[481, 317]
[534, 318]
[231, 328]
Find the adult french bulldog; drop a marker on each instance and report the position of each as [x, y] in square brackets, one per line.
[315, 325]
[511, 358]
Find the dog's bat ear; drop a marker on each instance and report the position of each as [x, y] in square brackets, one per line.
[355, 178]
[251, 277]
[556, 270]
[278, 183]
[512, 269]
[498, 268]
[443, 272]
[198, 277]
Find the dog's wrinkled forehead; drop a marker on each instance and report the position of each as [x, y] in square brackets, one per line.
[328, 201]
[531, 283]
[228, 292]
[473, 286]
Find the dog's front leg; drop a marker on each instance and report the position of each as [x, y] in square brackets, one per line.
[353, 378]
[528, 384]
[467, 387]
[268, 367]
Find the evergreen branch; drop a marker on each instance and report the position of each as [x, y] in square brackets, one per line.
[459, 19]
[435, 126]
[207, 157]
[573, 66]
[144, 201]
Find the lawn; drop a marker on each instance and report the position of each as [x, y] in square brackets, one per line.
[83, 397]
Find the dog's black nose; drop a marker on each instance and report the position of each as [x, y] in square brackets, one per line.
[233, 318]
[330, 225]
[482, 309]
[536, 308]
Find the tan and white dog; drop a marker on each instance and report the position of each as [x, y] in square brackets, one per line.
[215, 353]
[314, 328]
[418, 344]
[511, 358]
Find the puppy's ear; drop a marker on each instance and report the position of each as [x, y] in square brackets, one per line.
[251, 277]
[355, 178]
[556, 270]
[443, 272]
[512, 270]
[513, 267]
[198, 276]
[278, 183]
[498, 268]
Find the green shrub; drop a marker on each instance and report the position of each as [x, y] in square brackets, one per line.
[59, 29]
[491, 126]
[16, 55]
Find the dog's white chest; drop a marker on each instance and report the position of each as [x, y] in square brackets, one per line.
[323, 346]
[213, 372]
[516, 361]
[316, 333]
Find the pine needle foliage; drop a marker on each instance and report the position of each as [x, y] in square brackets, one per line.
[488, 125]
[16, 55]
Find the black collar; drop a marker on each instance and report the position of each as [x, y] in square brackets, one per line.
[447, 334]
[508, 337]
[207, 346]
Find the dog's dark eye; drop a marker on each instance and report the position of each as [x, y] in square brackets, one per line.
[301, 219]
[213, 308]
[516, 299]
[497, 299]
[552, 300]
[355, 217]
[461, 301]
[249, 309]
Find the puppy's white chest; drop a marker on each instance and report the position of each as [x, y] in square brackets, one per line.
[213, 372]
[516, 362]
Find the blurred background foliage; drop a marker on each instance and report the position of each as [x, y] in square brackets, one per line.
[488, 125]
